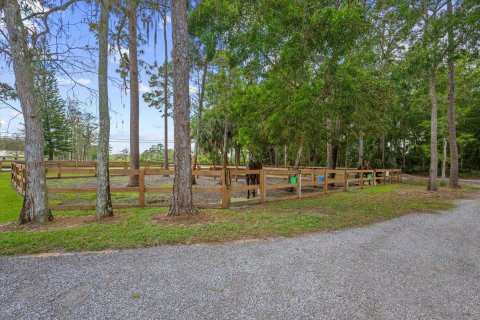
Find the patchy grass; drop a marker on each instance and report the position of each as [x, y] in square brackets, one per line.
[10, 200]
[149, 227]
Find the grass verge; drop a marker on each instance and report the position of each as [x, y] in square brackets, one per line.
[134, 228]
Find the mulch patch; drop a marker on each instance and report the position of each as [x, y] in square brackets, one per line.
[60, 222]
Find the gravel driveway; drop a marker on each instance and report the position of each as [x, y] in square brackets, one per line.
[420, 266]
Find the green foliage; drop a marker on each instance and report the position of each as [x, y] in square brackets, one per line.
[57, 133]
[154, 153]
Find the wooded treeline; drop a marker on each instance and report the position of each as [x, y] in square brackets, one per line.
[319, 83]
[336, 83]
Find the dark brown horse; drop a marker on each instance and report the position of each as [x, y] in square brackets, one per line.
[252, 179]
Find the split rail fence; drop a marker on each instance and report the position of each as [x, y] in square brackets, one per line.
[295, 184]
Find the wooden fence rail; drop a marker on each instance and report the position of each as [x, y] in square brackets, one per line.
[302, 183]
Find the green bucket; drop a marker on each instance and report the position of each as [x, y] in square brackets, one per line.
[293, 180]
[370, 175]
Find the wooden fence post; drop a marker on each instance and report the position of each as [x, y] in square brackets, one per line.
[141, 185]
[325, 181]
[374, 178]
[299, 184]
[345, 177]
[361, 179]
[225, 194]
[24, 181]
[59, 175]
[263, 186]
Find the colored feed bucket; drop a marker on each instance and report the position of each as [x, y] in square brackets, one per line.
[320, 178]
[293, 180]
[370, 175]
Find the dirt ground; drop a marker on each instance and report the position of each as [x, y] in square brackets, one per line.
[60, 222]
[203, 198]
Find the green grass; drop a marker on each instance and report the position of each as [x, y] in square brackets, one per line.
[10, 200]
[139, 229]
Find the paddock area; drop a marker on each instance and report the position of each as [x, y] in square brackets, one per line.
[72, 185]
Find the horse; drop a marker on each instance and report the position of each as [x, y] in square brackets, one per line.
[252, 179]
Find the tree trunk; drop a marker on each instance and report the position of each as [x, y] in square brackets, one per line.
[165, 91]
[134, 93]
[361, 157]
[452, 130]
[275, 150]
[298, 157]
[332, 161]
[404, 153]
[432, 181]
[199, 118]
[382, 147]
[104, 201]
[225, 143]
[237, 155]
[346, 151]
[182, 202]
[329, 154]
[444, 160]
[35, 204]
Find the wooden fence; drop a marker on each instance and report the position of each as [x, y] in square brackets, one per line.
[302, 183]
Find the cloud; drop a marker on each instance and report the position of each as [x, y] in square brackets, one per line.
[2, 123]
[70, 81]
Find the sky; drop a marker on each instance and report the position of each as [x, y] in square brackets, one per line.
[151, 121]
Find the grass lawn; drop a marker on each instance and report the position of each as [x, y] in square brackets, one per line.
[133, 228]
[10, 200]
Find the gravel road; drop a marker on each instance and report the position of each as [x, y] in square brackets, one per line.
[420, 266]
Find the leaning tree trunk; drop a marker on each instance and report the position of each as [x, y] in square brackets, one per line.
[199, 118]
[432, 181]
[104, 200]
[165, 91]
[452, 130]
[35, 204]
[182, 202]
[298, 157]
[134, 93]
